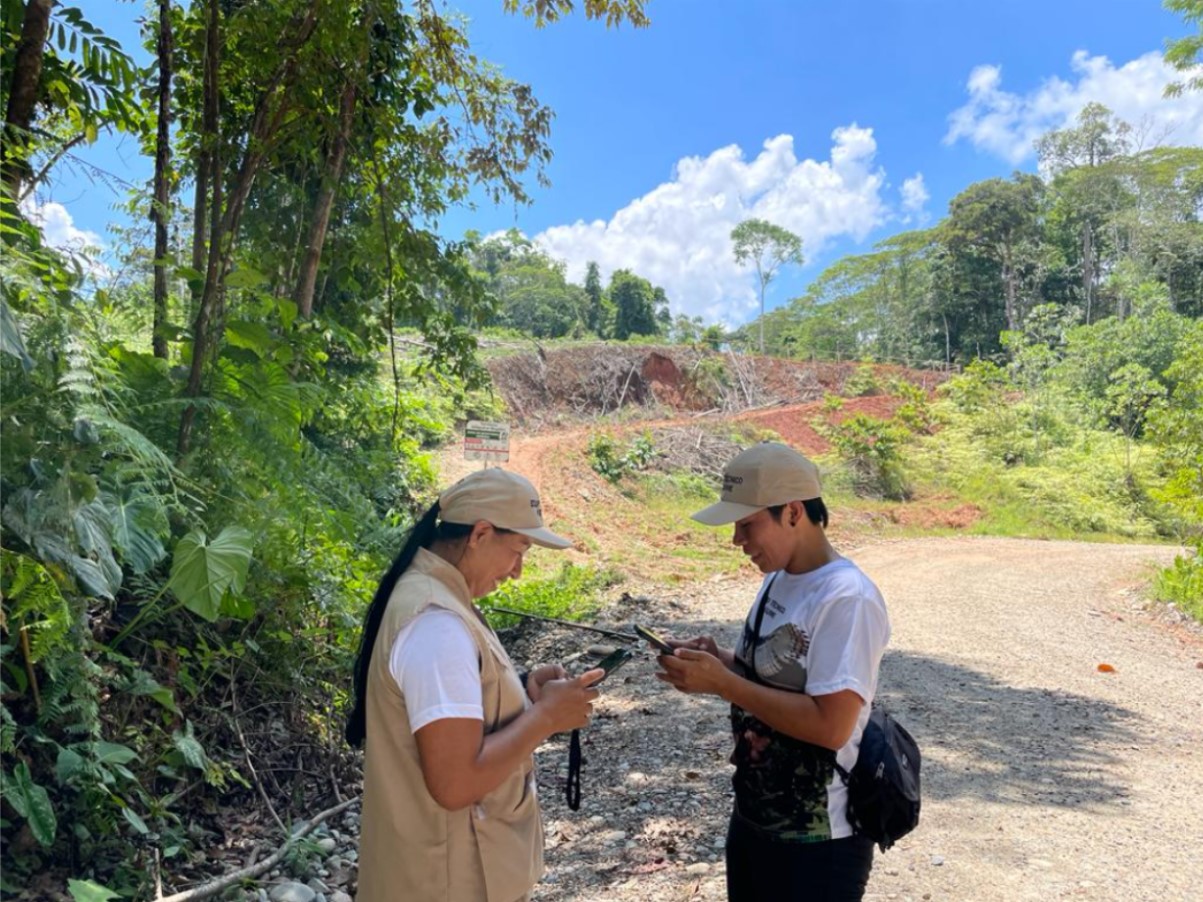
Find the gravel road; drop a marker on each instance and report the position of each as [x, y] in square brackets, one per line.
[1044, 777]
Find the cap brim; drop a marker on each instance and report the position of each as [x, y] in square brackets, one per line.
[543, 536]
[723, 512]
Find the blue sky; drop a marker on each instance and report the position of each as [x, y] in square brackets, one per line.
[844, 121]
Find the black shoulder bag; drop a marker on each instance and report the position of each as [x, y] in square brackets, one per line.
[883, 785]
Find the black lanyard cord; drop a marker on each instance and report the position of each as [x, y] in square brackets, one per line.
[572, 792]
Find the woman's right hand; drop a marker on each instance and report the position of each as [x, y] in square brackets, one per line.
[568, 704]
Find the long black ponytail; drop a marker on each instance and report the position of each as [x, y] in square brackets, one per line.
[421, 536]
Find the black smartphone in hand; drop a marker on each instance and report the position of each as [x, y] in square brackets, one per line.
[648, 636]
[612, 662]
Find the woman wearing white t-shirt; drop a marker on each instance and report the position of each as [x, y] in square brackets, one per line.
[449, 809]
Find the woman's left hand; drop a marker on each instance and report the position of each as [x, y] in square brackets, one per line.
[540, 675]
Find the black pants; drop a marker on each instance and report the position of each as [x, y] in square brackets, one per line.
[760, 870]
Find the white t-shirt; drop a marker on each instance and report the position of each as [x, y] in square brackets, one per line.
[822, 632]
[436, 665]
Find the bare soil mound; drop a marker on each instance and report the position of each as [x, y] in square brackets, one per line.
[550, 387]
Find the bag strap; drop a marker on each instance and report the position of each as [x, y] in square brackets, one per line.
[750, 643]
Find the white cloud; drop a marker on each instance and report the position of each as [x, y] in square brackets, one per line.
[914, 197]
[58, 228]
[1008, 124]
[678, 234]
[59, 231]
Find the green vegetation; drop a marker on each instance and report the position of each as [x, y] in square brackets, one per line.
[209, 459]
[613, 462]
[573, 593]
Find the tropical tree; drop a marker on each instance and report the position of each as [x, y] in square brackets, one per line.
[999, 221]
[597, 316]
[633, 299]
[768, 247]
[1185, 53]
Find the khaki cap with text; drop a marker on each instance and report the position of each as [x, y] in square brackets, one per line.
[505, 499]
[764, 475]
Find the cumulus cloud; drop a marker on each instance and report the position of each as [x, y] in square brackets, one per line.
[914, 197]
[58, 228]
[59, 231]
[678, 234]
[1007, 124]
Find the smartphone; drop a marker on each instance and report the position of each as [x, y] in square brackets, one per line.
[612, 662]
[647, 635]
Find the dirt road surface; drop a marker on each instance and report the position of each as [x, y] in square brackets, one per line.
[1044, 778]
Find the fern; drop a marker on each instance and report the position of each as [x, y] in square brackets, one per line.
[37, 605]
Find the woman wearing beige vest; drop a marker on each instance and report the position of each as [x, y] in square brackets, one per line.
[449, 806]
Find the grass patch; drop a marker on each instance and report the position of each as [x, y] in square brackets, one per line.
[572, 593]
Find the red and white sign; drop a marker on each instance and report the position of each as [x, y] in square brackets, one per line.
[487, 441]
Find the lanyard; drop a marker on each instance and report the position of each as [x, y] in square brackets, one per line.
[572, 792]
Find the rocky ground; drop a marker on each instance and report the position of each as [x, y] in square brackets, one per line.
[1045, 777]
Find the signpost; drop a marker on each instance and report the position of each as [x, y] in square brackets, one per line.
[488, 442]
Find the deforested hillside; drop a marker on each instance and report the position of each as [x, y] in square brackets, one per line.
[546, 386]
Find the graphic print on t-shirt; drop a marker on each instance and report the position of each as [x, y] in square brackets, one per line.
[780, 657]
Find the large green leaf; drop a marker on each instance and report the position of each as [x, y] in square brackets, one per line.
[249, 335]
[203, 571]
[69, 765]
[90, 891]
[137, 521]
[134, 821]
[32, 802]
[142, 683]
[189, 746]
[11, 341]
[114, 753]
[87, 572]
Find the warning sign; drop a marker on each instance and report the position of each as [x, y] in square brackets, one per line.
[487, 441]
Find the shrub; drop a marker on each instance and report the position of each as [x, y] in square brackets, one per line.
[612, 462]
[871, 450]
[832, 402]
[862, 382]
[1182, 583]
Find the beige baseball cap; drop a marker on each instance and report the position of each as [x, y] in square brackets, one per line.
[763, 476]
[505, 499]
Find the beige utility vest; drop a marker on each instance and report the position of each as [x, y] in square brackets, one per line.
[411, 849]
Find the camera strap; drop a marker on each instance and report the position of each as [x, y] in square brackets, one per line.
[572, 791]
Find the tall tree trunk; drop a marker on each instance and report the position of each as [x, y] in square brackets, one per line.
[208, 172]
[23, 95]
[1008, 275]
[206, 164]
[303, 296]
[269, 113]
[1088, 268]
[947, 341]
[159, 211]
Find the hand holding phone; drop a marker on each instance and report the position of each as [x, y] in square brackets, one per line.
[612, 662]
[648, 636]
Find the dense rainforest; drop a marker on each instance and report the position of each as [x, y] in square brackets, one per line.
[215, 438]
